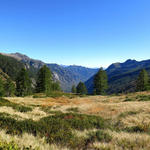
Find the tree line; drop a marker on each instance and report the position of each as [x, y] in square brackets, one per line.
[100, 83]
[24, 86]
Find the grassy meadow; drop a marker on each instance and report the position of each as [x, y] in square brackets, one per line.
[68, 122]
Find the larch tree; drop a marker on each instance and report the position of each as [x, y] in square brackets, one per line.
[44, 80]
[73, 89]
[81, 88]
[2, 91]
[9, 87]
[100, 82]
[142, 83]
[23, 83]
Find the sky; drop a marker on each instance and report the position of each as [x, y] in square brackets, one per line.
[92, 33]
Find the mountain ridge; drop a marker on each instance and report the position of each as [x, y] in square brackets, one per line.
[67, 76]
[122, 76]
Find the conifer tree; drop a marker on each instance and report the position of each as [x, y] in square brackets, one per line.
[2, 92]
[9, 87]
[81, 88]
[142, 83]
[23, 83]
[73, 89]
[44, 80]
[100, 82]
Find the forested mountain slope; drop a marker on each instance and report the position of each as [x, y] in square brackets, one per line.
[67, 76]
[122, 76]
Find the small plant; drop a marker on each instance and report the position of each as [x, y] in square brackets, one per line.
[143, 97]
[8, 146]
[100, 136]
[124, 114]
[73, 109]
[138, 128]
[128, 99]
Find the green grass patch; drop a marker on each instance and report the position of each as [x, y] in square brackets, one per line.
[100, 136]
[128, 113]
[9, 146]
[20, 108]
[138, 98]
[73, 109]
[127, 99]
[143, 97]
[54, 94]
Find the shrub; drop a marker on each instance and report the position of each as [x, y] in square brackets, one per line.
[100, 136]
[143, 97]
[138, 128]
[8, 146]
[82, 121]
[73, 109]
[57, 128]
[128, 99]
[124, 114]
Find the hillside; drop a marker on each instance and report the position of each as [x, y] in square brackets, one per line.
[63, 123]
[3, 75]
[66, 75]
[10, 66]
[122, 76]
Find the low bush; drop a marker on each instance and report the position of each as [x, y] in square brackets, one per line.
[57, 128]
[128, 113]
[138, 128]
[73, 109]
[128, 99]
[100, 136]
[82, 121]
[54, 94]
[143, 97]
[9, 146]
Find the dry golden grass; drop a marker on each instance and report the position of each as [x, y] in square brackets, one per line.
[106, 106]
[109, 107]
[125, 141]
[36, 114]
[29, 141]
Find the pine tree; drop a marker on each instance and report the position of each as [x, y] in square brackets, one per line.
[100, 82]
[2, 92]
[9, 87]
[73, 89]
[142, 83]
[81, 88]
[44, 80]
[23, 83]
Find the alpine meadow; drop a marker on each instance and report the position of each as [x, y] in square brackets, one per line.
[75, 75]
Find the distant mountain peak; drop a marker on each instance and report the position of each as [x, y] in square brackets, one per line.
[130, 61]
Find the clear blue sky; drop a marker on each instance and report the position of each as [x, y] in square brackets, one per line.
[91, 33]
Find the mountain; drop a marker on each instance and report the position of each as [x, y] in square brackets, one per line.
[122, 76]
[66, 75]
[10, 66]
[70, 75]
